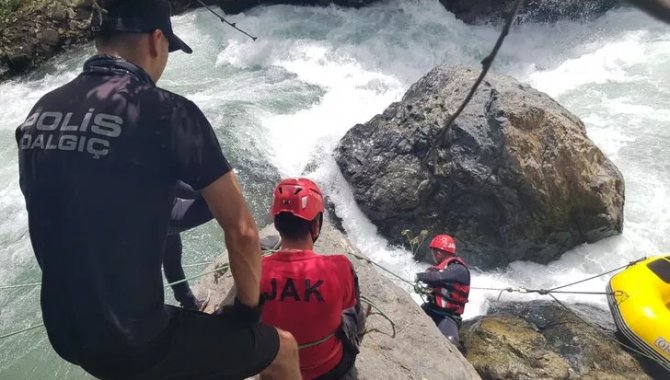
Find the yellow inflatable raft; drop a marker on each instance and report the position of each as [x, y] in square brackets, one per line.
[640, 303]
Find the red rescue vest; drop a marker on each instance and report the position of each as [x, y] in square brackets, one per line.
[454, 297]
[305, 294]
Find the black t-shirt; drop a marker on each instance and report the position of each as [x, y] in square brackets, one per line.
[99, 159]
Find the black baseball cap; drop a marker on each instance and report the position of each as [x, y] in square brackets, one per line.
[140, 16]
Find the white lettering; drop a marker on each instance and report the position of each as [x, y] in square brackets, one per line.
[25, 141]
[97, 152]
[87, 119]
[67, 143]
[66, 124]
[55, 117]
[38, 143]
[30, 121]
[82, 144]
[50, 145]
[107, 125]
[663, 344]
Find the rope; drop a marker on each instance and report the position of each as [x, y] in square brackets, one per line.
[381, 312]
[197, 264]
[487, 62]
[223, 20]
[543, 291]
[415, 285]
[223, 268]
[316, 343]
[599, 275]
[570, 310]
[363, 258]
[22, 331]
[20, 286]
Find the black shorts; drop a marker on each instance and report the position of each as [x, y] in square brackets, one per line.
[203, 346]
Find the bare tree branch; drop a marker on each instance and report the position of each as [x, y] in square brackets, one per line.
[657, 8]
[486, 65]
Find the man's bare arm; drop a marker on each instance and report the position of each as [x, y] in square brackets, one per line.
[225, 200]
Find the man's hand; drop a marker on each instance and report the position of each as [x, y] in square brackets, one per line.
[226, 202]
[420, 288]
[242, 314]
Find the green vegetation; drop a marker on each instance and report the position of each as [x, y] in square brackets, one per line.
[414, 242]
[9, 6]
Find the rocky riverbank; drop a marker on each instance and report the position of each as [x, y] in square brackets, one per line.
[542, 340]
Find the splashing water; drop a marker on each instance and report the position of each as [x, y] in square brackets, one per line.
[281, 104]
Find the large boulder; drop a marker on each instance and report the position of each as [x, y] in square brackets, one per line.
[482, 11]
[418, 351]
[542, 340]
[516, 179]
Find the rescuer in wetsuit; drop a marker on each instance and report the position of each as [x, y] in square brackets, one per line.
[449, 283]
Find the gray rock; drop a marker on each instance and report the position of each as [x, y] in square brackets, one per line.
[543, 340]
[418, 350]
[516, 179]
[49, 37]
[482, 11]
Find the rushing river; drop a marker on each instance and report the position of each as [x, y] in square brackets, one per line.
[282, 103]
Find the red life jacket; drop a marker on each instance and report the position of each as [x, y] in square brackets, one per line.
[453, 297]
[305, 294]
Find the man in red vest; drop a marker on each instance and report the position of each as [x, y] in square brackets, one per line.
[449, 282]
[315, 297]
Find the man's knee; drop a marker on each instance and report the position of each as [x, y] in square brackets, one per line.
[287, 357]
[288, 346]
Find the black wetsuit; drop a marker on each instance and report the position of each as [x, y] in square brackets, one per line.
[99, 159]
[189, 210]
[447, 322]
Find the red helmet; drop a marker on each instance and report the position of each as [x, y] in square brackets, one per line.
[445, 243]
[298, 196]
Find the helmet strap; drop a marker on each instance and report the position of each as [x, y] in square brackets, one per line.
[315, 231]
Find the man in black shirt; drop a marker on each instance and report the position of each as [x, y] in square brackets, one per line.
[99, 159]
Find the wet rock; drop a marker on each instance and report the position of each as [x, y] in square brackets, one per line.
[483, 11]
[516, 177]
[49, 37]
[543, 340]
[419, 351]
[20, 60]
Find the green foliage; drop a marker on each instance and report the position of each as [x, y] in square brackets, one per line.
[415, 241]
[9, 6]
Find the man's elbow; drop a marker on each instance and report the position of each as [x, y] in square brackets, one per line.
[244, 234]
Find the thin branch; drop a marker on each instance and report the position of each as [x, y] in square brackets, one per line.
[486, 65]
[223, 20]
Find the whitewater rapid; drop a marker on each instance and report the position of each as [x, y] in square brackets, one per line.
[281, 104]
